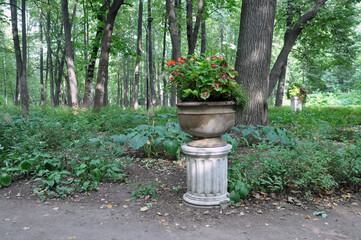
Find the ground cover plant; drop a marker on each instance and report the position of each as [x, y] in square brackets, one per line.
[316, 151]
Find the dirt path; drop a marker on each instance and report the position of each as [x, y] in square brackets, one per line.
[108, 214]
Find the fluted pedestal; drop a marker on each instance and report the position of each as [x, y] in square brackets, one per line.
[206, 175]
[296, 104]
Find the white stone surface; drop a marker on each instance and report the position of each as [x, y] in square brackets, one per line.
[296, 104]
[206, 175]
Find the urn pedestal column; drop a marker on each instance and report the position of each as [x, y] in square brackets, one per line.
[296, 104]
[206, 175]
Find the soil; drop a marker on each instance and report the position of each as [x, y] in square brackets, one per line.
[110, 213]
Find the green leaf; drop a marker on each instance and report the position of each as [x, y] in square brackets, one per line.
[5, 179]
[234, 196]
[120, 139]
[270, 133]
[25, 165]
[138, 142]
[189, 91]
[171, 147]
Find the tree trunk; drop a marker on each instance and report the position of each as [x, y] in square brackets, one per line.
[20, 65]
[5, 95]
[139, 55]
[24, 95]
[118, 79]
[254, 56]
[126, 81]
[104, 55]
[290, 40]
[151, 64]
[176, 53]
[42, 92]
[165, 94]
[69, 55]
[281, 86]
[94, 53]
[192, 34]
[203, 36]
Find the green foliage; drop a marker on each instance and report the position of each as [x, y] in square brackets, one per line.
[142, 191]
[238, 190]
[149, 137]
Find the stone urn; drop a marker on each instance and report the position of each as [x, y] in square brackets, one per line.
[296, 104]
[206, 154]
[206, 121]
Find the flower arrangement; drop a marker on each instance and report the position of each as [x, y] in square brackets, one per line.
[297, 90]
[197, 78]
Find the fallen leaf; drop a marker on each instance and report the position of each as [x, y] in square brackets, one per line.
[110, 206]
[307, 217]
[329, 192]
[6, 219]
[56, 208]
[323, 214]
[318, 200]
[125, 206]
[347, 195]
[159, 213]
[127, 200]
[359, 213]
[26, 228]
[144, 209]
[354, 204]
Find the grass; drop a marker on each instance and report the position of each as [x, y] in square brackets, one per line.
[313, 151]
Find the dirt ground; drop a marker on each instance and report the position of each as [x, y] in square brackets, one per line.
[110, 213]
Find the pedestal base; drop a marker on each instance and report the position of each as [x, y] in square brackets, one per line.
[206, 175]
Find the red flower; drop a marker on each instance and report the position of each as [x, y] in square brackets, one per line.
[216, 84]
[171, 63]
[170, 78]
[221, 57]
[205, 94]
[214, 57]
[179, 60]
[192, 59]
[214, 66]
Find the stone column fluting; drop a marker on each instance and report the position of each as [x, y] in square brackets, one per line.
[206, 175]
[296, 104]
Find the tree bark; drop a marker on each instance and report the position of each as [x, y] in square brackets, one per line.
[104, 55]
[151, 63]
[203, 36]
[253, 58]
[5, 95]
[192, 34]
[290, 40]
[20, 65]
[176, 53]
[94, 54]
[118, 79]
[42, 92]
[139, 55]
[69, 55]
[165, 94]
[281, 86]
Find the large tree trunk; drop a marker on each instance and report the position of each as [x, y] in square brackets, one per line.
[94, 54]
[139, 55]
[254, 56]
[69, 55]
[49, 57]
[20, 64]
[290, 40]
[42, 92]
[192, 34]
[176, 53]
[126, 81]
[281, 86]
[104, 55]
[118, 79]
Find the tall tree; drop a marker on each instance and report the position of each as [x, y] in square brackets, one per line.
[42, 92]
[176, 48]
[5, 95]
[192, 33]
[254, 56]
[151, 62]
[20, 61]
[101, 14]
[49, 55]
[290, 39]
[104, 55]
[165, 95]
[139, 55]
[69, 55]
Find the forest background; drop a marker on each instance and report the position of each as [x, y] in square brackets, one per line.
[325, 55]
